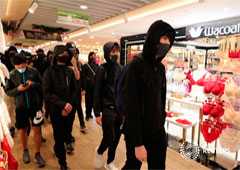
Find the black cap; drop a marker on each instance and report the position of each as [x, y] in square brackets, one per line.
[70, 45]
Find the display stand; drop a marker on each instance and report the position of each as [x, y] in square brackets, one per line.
[185, 127]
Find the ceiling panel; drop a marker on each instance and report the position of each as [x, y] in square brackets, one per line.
[99, 10]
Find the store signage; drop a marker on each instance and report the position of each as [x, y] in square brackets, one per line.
[73, 18]
[220, 28]
[41, 35]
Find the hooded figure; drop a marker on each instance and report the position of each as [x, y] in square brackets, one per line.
[145, 98]
[39, 62]
[89, 72]
[104, 88]
[7, 60]
[60, 91]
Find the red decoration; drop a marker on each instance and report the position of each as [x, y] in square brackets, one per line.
[183, 121]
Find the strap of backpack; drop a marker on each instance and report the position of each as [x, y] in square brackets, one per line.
[91, 69]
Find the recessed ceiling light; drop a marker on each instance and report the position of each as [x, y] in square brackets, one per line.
[79, 39]
[97, 42]
[91, 37]
[113, 33]
[83, 7]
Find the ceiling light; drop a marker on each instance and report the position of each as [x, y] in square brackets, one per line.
[83, 7]
[97, 42]
[113, 33]
[33, 7]
[79, 39]
[91, 37]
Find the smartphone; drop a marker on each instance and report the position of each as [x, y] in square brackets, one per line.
[25, 85]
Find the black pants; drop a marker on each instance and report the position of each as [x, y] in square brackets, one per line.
[156, 153]
[89, 99]
[111, 123]
[61, 131]
[79, 109]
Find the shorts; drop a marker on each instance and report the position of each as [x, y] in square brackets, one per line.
[23, 117]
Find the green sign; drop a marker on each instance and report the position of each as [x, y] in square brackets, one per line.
[73, 18]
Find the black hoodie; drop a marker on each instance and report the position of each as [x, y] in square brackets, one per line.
[105, 80]
[59, 84]
[145, 90]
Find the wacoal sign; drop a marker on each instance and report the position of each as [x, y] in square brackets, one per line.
[214, 29]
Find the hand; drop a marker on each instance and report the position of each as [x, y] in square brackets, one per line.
[83, 92]
[141, 153]
[64, 112]
[99, 120]
[21, 87]
[68, 107]
[73, 61]
[29, 83]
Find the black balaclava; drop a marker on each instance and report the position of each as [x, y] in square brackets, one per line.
[107, 48]
[152, 47]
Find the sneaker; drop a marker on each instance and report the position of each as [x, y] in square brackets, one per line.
[26, 157]
[72, 139]
[83, 129]
[43, 139]
[69, 148]
[39, 160]
[64, 168]
[98, 159]
[110, 166]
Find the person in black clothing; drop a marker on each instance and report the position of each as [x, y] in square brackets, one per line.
[79, 96]
[105, 80]
[25, 85]
[7, 59]
[89, 71]
[60, 90]
[38, 63]
[144, 101]
[48, 59]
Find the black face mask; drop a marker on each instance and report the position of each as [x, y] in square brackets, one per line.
[114, 58]
[92, 60]
[162, 50]
[63, 59]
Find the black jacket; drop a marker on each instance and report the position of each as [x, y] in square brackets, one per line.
[145, 90]
[105, 80]
[89, 72]
[31, 98]
[59, 87]
[80, 82]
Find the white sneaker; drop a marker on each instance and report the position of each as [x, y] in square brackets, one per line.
[110, 166]
[98, 159]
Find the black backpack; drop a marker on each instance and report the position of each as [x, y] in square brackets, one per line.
[119, 88]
